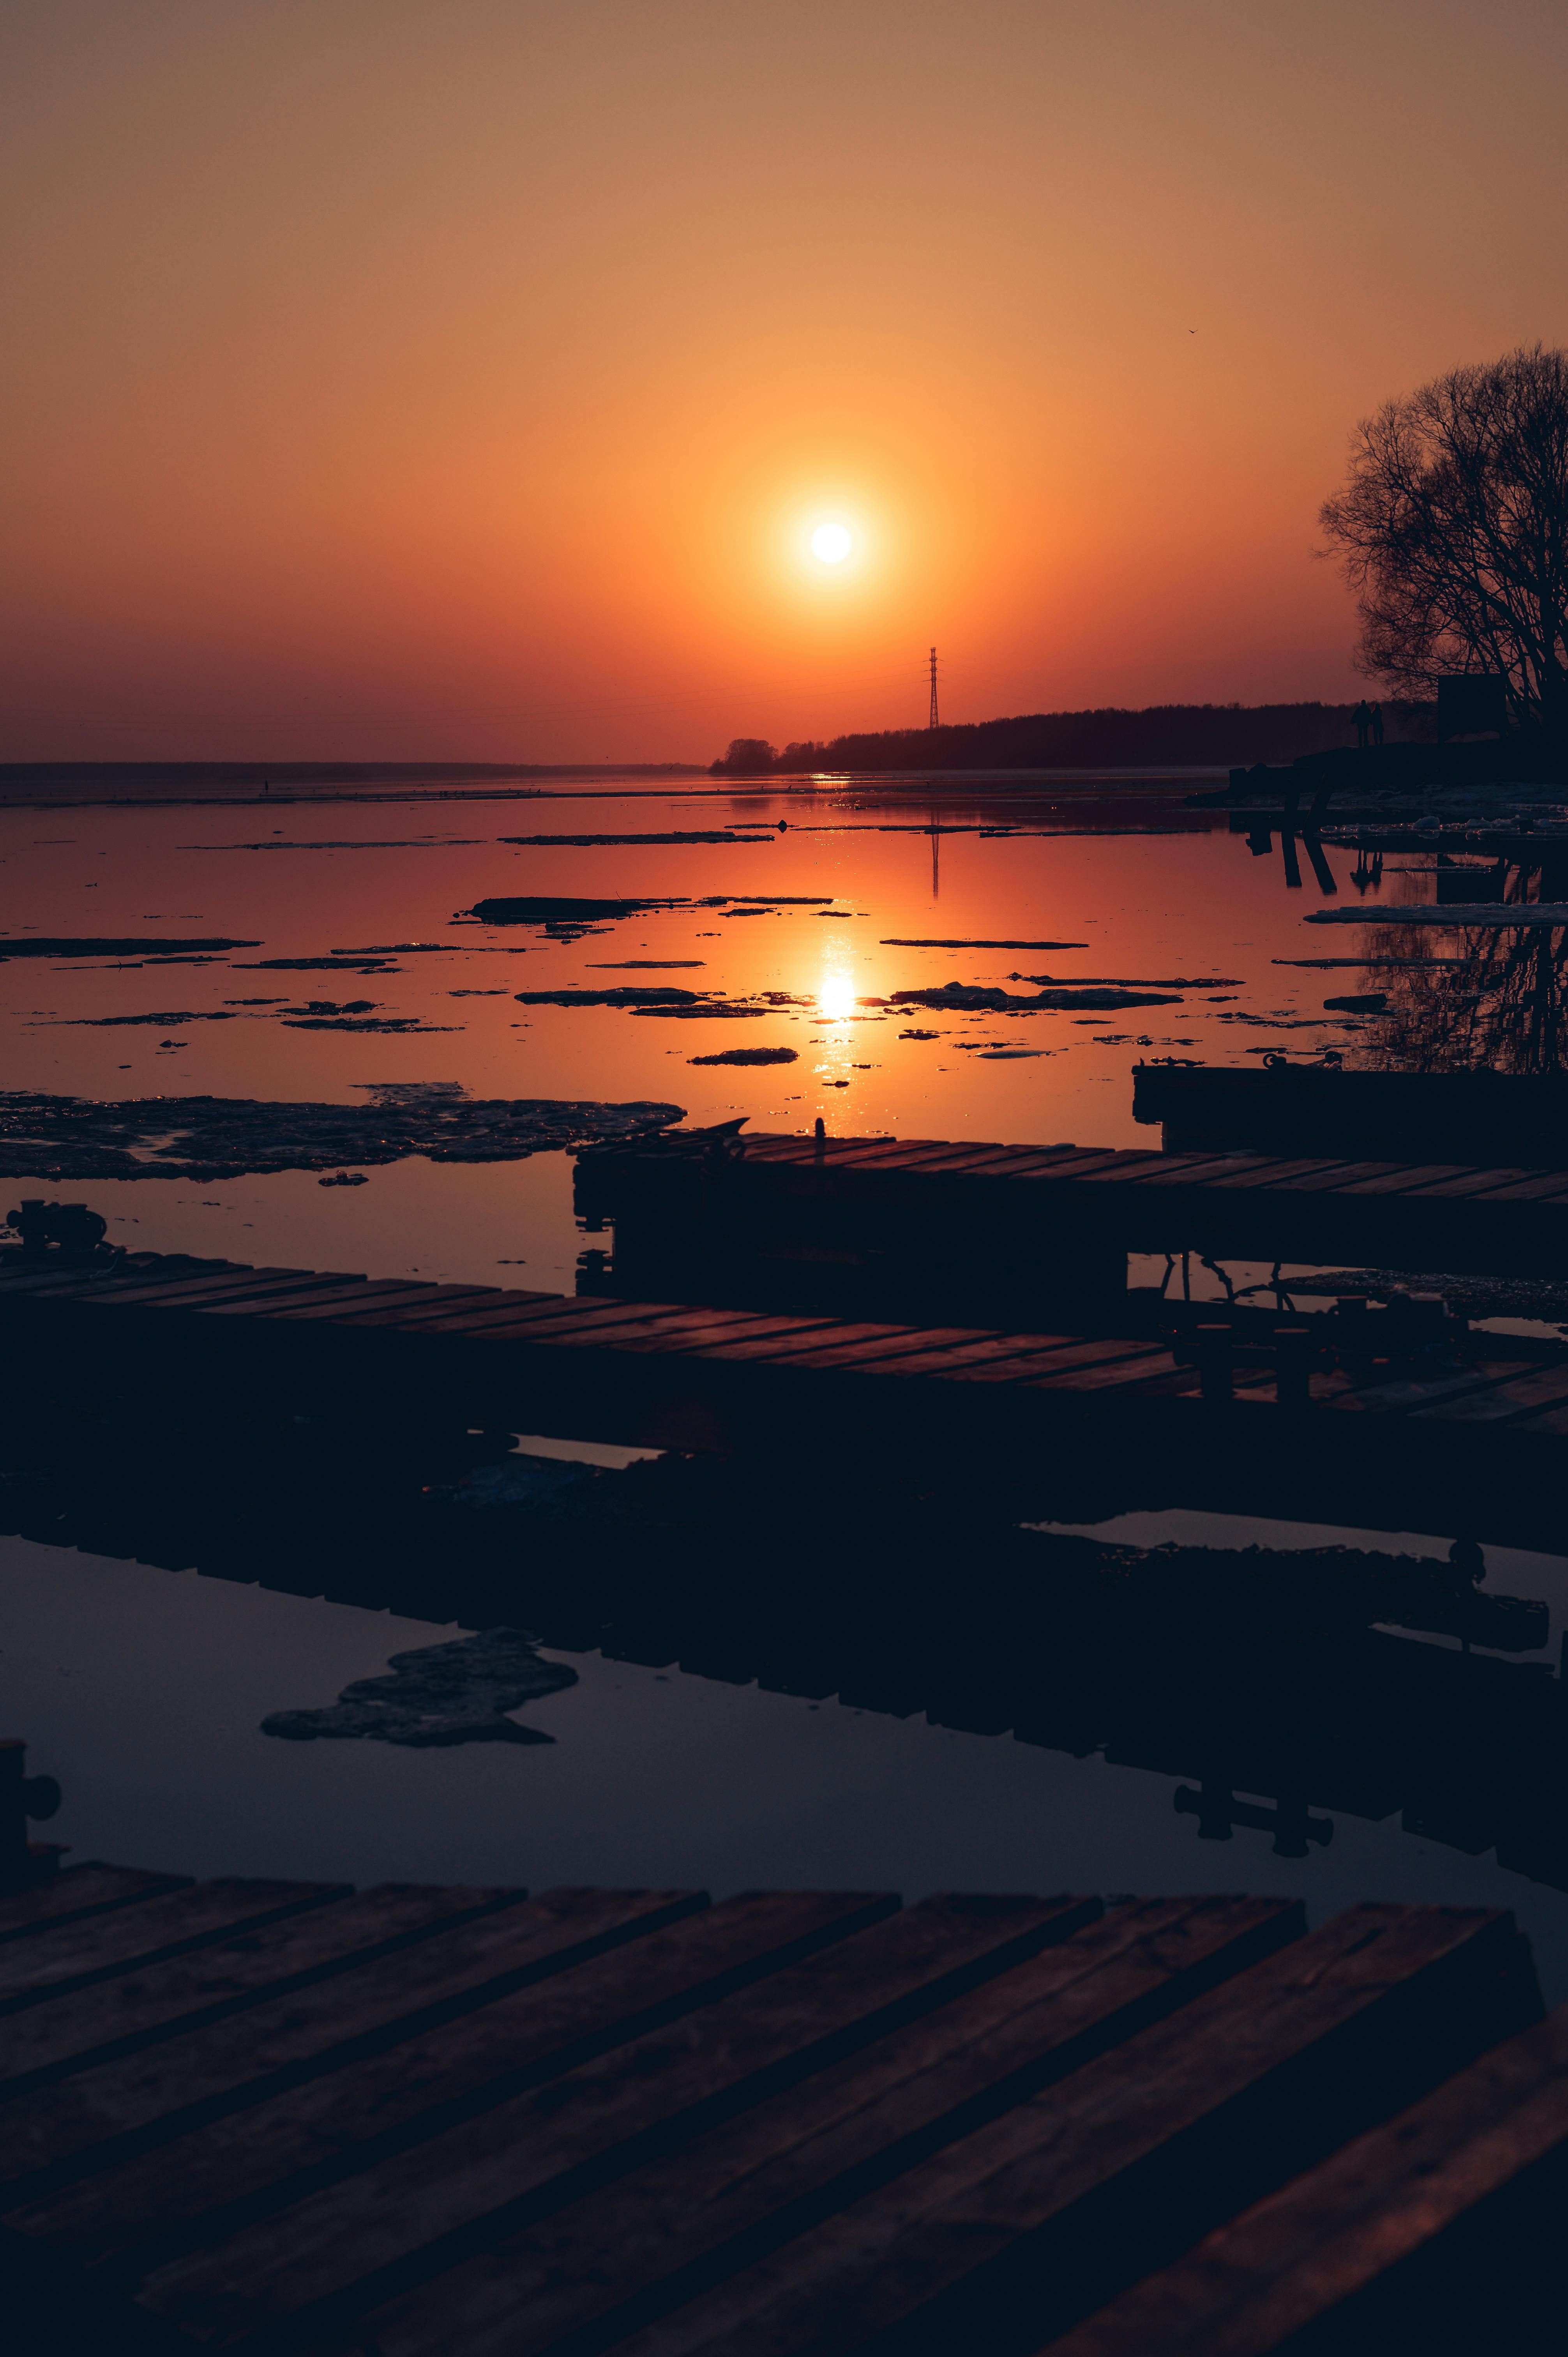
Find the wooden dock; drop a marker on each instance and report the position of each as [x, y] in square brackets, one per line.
[1286, 1109]
[1011, 1414]
[269, 2117]
[1078, 1210]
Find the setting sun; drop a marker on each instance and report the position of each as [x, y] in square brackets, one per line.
[831, 542]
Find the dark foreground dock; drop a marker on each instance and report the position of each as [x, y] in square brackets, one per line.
[271, 2115]
[1476, 1443]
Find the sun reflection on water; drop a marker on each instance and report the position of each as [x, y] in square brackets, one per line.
[835, 1005]
[835, 996]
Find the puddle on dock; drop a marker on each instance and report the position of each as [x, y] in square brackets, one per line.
[145, 1689]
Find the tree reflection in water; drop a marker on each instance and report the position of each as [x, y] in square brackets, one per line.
[1480, 997]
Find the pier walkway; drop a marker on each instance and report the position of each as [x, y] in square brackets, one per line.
[1338, 1210]
[262, 2116]
[1007, 1408]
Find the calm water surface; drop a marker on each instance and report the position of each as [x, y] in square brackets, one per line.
[143, 1689]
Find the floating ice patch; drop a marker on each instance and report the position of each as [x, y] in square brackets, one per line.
[59, 1137]
[747, 1056]
[969, 996]
[591, 841]
[457, 1693]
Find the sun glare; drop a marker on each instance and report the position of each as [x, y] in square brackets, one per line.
[831, 542]
[836, 996]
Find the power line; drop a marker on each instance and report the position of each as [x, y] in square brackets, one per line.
[933, 722]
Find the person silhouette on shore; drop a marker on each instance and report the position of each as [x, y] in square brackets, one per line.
[1362, 716]
[1377, 723]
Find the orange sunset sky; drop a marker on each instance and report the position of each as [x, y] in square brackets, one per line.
[463, 379]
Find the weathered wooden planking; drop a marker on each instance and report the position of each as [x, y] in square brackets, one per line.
[108, 2112]
[668, 1374]
[643, 2244]
[283, 2148]
[1431, 2193]
[959, 2127]
[197, 1985]
[71, 1954]
[1038, 2217]
[642, 2097]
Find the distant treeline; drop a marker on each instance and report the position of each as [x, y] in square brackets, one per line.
[1163, 735]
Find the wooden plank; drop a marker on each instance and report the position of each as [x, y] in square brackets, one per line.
[777, 1349]
[327, 1304]
[67, 1955]
[182, 1292]
[720, 1330]
[1408, 1179]
[929, 1355]
[637, 1321]
[870, 1356]
[894, 1160]
[108, 2114]
[440, 1301]
[791, 1152]
[1074, 2193]
[617, 2112]
[636, 2248]
[1551, 1423]
[1391, 1395]
[1044, 1164]
[198, 1283]
[79, 1891]
[1305, 2258]
[992, 1350]
[1143, 1167]
[1311, 1170]
[1519, 1395]
[1547, 1186]
[1050, 1350]
[867, 1154]
[1193, 1169]
[712, 1329]
[1479, 1181]
[527, 1313]
[231, 1974]
[656, 1329]
[404, 2099]
[966, 1161]
[1069, 1366]
[766, 1147]
[138, 1268]
[65, 1284]
[1125, 1373]
[244, 1297]
[1094, 1162]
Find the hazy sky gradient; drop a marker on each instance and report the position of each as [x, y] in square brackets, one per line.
[401, 379]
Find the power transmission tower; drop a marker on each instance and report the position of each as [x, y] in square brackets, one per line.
[933, 722]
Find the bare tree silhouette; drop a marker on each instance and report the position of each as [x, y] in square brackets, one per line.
[1453, 527]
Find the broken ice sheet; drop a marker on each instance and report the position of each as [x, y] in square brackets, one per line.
[457, 1693]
